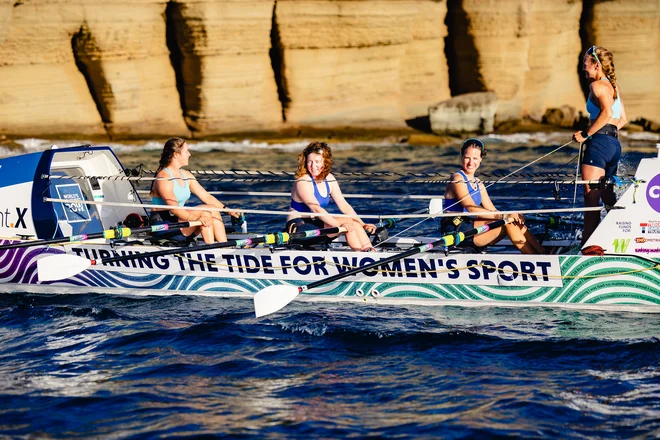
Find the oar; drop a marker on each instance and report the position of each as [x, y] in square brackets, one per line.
[61, 266]
[108, 234]
[273, 298]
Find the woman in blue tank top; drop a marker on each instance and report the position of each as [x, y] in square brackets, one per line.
[312, 191]
[602, 149]
[467, 194]
[174, 188]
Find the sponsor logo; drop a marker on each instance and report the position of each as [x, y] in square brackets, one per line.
[9, 220]
[647, 251]
[645, 240]
[653, 193]
[650, 227]
[620, 245]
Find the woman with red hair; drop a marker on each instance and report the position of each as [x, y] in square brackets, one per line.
[311, 193]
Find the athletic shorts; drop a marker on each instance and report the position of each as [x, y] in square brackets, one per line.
[307, 224]
[602, 151]
[162, 217]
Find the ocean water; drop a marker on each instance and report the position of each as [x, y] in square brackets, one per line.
[93, 365]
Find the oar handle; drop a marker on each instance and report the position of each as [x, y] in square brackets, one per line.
[108, 234]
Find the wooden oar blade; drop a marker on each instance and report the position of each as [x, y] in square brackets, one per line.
[273, 298]
[59, 267]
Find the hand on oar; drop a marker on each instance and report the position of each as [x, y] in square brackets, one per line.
[61, 266]
[273, 298]
[108, 234]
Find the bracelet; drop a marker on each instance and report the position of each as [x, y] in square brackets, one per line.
[585, 134]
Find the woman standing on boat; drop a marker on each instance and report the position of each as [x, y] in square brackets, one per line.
[602, 149]
[174, 187]
[311, 192]
[466, 193]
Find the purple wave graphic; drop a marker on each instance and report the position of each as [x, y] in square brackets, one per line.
[20, 265]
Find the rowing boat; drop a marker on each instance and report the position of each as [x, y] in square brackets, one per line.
[64, 228]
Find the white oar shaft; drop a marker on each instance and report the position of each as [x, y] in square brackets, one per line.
[355, 196]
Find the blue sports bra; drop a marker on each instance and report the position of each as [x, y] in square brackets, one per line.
[454, 205]
[324, 201]
[182, 193]
[594, 110]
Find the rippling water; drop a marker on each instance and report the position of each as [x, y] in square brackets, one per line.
[95, 365]
[98, 365]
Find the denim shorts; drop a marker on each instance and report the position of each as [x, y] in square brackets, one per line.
[602, 151]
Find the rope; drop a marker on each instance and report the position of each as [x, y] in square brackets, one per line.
[202, 174]
[406, 182]
[306, 214]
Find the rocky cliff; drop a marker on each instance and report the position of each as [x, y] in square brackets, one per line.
[203, 67]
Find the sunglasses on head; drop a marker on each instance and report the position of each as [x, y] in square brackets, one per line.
[592, 51]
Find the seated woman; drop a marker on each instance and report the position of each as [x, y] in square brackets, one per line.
[174, 187]
[311, 192]
[467, 194]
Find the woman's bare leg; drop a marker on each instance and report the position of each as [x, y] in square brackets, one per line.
[356, 237]
[207, 234]
[219, 230]
[490, 237]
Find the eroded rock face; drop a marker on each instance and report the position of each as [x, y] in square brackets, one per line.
[120, 49]
[525, 51]
[41, 89]
[203, 67]
[227, 80]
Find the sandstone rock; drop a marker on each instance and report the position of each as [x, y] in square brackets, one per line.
[41, 89]
[471, 112]
[70, 67]
[424, 74]
[360, 63]
[649, 125]
[525, 51]
[633, 128]
[146, 67]
[564, 116]
[228, 81]
[120, 48]
[554, 50]
[342, 61]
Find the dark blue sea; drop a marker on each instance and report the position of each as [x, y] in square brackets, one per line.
[94, 365]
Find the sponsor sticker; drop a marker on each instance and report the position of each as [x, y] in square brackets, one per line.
[653, 193]
[650, 227]
[74, 212]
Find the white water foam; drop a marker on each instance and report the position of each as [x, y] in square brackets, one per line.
[31, 145]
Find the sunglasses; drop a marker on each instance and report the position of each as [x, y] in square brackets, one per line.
[592, 51]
